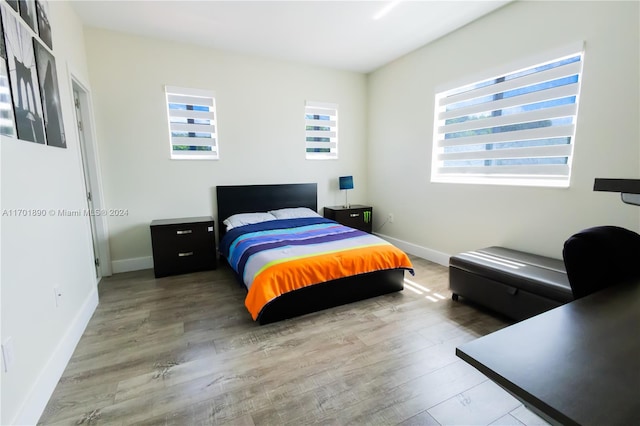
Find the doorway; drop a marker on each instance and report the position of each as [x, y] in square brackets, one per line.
[92, 180]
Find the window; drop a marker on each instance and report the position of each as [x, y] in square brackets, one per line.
[321, 134]
[516, 129]
[192, 124]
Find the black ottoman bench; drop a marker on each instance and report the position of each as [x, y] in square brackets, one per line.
[516, 284]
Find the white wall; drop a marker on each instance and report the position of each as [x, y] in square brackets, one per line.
[39, 253]
[446, 218]
[260, 104]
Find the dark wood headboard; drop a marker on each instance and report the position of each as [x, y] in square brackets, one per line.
[261, 198]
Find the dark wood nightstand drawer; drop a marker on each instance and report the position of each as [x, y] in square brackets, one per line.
[183, 245]
[356, 216]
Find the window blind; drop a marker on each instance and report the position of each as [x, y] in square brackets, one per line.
[192, 123]
[321, 130]
[516, 128]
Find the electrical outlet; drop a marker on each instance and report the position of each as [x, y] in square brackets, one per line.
[58, 295]
[8, 354]
[390, 217]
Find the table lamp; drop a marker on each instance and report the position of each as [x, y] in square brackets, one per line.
[346, 183]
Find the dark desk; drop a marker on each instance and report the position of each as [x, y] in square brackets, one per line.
[576, 364]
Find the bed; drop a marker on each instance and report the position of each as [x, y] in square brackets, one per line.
[273, 304]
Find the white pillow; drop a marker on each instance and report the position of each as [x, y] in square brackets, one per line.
[241, 219]
[294, 213]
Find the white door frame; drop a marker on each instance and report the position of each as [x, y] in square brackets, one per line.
[94, 173]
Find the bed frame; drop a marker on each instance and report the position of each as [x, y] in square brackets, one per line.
[261, 198]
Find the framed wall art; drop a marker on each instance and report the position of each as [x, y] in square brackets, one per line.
[44, 27]
[29, 13]
[23, 79]
[14, 5]
[7, 120]
[48, 82]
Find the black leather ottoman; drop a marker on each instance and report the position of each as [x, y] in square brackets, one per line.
[516, 284]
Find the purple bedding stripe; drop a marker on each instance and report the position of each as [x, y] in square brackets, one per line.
[345, 233]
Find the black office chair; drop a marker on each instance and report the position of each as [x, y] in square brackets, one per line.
[600, 257]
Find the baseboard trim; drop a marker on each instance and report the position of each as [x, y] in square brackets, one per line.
[416, 250]
[45, 384]
[133, 264]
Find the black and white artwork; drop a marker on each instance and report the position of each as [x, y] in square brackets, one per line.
[7, 121]
[23, 79]
[44, 27]
[29, 13]
[48, 80]
[14, 5]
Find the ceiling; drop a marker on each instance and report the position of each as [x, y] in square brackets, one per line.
[335, 34]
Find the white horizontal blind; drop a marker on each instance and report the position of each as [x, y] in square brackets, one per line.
[321, 130]
[192, 123]
[517, 128]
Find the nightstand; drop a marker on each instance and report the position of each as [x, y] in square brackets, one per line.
[183, 245]
[356, 216]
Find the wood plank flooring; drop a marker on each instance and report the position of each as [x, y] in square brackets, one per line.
[183, 350]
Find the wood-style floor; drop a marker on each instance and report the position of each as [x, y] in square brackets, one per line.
[184, 351]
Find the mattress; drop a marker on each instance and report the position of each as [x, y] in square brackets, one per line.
[279, 256]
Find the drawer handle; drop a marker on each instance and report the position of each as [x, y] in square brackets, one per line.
[189, 253]
[186, 231]
[354, 214]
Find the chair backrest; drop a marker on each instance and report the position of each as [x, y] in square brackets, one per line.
[599, 257]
